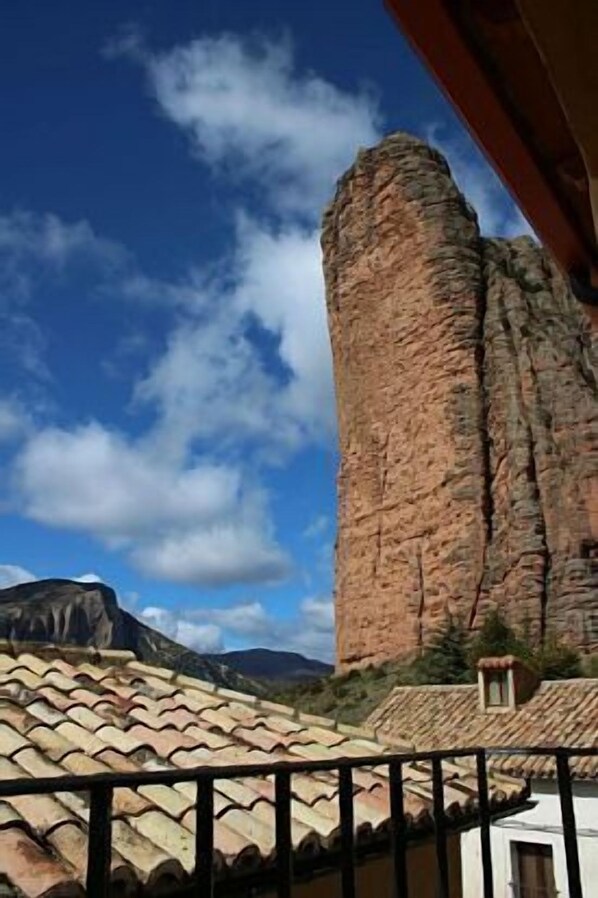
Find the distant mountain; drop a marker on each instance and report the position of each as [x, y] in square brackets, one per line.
[266, 664]
[87, 614]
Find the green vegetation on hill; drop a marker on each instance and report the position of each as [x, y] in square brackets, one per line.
[450, 658]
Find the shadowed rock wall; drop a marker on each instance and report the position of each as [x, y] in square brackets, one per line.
[468, 416]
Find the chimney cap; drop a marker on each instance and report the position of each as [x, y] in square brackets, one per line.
[502, 662]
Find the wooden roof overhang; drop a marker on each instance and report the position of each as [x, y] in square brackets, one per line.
[524, 77]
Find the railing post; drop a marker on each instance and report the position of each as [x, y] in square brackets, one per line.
[345, 801]
[204, 838]
[398, 829]
[484, 807]
[569, 826]
[440, 829]
[284, 847]
[99, 843]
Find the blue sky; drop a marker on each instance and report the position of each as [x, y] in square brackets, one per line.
[166, 403]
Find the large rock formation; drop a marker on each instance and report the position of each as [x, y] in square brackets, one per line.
[66, 612]
[468, 416]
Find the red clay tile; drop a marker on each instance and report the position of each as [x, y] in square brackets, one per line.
[42, 812]
[115, 761]
[64, 684]
[126, 720]
[33, 870]
[90, 699]
[21, 719]
[208, 739]
[163, 742]
[51, 743]
[10, 741]
[259, 738]
[85, 717]
[153, 721]
[80, 738]
[57, 699]
[69, 841]
[42, 712]
[151, 863]
[173, 838]
[178, 719]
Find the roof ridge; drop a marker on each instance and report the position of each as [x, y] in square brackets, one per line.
[437, 687]
[128, 659]
[258, 703]
[571, 681]
[69, 652]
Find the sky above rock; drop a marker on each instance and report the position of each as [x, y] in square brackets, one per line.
[167, 418]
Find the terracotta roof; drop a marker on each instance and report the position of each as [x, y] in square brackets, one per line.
[82, 711]
[560, 713]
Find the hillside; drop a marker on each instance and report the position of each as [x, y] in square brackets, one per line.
[88, 614]
[349, 697]
[268, 664]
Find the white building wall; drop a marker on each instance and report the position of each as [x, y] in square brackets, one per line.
[541, 823]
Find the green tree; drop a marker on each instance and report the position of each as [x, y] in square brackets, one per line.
[590, 666]
[496, 638]
[445, 659]
[558, 661]
[552, 659]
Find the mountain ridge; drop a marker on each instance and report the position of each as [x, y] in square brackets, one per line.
[88, 614]
[64, 611]
[271, 664]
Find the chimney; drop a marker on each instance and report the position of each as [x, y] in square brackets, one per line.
[505, 683]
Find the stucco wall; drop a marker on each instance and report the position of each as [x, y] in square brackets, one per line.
[542, 823]
[374, 879]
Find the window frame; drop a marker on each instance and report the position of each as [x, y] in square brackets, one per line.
[500, 677]
[540, 854]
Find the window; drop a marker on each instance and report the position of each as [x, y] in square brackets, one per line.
[497, 688]
[533, 870]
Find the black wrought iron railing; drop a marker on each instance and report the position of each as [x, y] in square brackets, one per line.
[101, 788]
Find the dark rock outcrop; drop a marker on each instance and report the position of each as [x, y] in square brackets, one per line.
[65, 612]
[468, 417]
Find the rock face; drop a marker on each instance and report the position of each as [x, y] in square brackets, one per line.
[87, 614]
[468, 417]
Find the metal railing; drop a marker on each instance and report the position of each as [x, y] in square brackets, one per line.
[101, 788]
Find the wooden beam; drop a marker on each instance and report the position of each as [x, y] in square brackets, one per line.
[436, 37]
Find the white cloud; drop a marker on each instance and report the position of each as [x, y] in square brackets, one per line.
[88, 578]
[310, 631]
[246, 107]
[235, 551]
[200, 637]
[13, 574]
[317, 527]
[248, 619]
[94, 480]
[32, 243]
[246, 370]
[320, 612]
[212, 383]
[187, 523]
[14, 420]
[281, 283]
[35, 247]
[498, 214]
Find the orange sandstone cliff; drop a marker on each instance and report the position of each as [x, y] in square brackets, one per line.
[466, 382]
